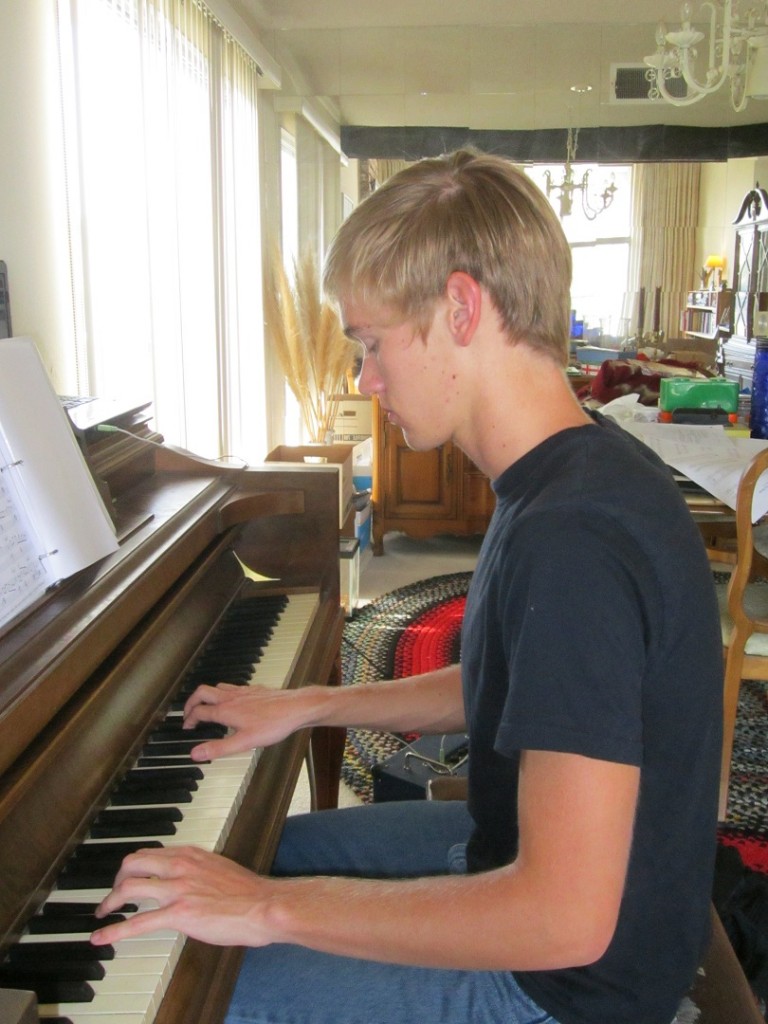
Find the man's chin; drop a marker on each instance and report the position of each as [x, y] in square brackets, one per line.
[415, 443]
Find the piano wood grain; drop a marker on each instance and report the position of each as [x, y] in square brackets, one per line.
[93, 667]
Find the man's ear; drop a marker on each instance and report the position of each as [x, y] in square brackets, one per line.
[465, 300]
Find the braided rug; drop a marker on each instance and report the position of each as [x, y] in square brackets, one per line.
[410, 630]
[746, 824]
[417, 628]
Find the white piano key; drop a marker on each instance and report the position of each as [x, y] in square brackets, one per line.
[124, 1002]
[48, 1010]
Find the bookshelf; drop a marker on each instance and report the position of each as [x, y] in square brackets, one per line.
[707, 314]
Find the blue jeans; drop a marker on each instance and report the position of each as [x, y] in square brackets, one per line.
[283, 984]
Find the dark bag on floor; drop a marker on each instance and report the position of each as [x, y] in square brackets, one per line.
[404, 775]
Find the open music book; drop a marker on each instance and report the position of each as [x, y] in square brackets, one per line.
[53, 521]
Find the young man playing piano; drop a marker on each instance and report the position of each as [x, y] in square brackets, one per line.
[574, 887]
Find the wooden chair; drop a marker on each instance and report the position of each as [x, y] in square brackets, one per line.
[743, 613]
[720, 993]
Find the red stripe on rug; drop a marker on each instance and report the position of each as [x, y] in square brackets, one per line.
[427, 642]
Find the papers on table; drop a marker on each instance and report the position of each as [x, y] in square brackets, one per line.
[709, 456]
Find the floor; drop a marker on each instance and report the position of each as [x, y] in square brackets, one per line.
[405, 560]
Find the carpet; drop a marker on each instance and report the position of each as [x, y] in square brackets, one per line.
[417, 628]
[410, 630]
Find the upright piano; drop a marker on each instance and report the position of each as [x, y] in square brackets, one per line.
[90, 678]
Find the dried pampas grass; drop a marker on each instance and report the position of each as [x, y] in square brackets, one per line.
[313, 350]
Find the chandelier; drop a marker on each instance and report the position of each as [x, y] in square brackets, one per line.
[738, 54]
[569, 185]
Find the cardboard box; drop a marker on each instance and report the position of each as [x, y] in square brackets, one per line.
[314, 456]
[701, 351]
[353, 419]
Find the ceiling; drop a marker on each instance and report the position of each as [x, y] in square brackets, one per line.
[478, 64]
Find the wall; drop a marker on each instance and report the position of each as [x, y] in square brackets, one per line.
[723, 187]
[33, 230]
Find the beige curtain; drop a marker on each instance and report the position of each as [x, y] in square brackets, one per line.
[662, 252]
[379, 170]
[163, 136]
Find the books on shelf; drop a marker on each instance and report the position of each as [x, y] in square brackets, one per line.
[53, 521]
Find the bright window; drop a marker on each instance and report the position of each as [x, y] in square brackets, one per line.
[163, 173]
[600, 246]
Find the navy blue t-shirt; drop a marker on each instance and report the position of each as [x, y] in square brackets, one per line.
[592, 628]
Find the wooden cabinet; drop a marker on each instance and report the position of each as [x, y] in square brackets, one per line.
[750, 286]
[424, 493]
[750, 262]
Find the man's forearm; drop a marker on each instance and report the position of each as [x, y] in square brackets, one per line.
[429, 703]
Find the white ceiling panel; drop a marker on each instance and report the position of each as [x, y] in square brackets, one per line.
[475, 64]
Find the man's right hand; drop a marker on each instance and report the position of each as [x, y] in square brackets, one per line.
[259, 716]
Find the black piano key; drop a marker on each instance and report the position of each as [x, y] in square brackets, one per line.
[92, 876]
[134, 785]
[69, 908]
[135, 782]
[169, 795]
[212, 676]
[58, 952]
[52, 988]
[94, 865]
[11, 975]
[103, 852]
[44, 924]
[173, 730]
[122, 830]
[139, 816]
[184, 773]
[168, 749]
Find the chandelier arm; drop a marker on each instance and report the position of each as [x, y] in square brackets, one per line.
[691, 81]
[741, 103]
[676, 101]
[713, 32]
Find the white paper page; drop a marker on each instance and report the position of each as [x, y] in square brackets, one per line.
[708, 456]
[69, 514]
[23, 573]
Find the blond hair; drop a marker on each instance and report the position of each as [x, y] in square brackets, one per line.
[465, 211]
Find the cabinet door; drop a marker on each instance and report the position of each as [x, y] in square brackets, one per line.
[417, 484]
[743, 281]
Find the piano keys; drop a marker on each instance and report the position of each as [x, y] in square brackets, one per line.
[169, 610]
[256, 643]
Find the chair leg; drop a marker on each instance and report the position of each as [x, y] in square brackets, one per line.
[731, 688]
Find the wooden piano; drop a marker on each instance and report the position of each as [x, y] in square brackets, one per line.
[89, 673]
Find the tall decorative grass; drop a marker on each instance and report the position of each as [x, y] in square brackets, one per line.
[313, 350]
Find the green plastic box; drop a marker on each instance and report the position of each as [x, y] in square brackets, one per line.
[691, 394]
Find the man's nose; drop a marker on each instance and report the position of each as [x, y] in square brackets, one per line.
[369, 381]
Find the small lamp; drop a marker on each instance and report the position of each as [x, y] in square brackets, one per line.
[714, 266]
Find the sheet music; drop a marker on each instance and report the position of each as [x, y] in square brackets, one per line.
[23, 575]
[60, 524]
